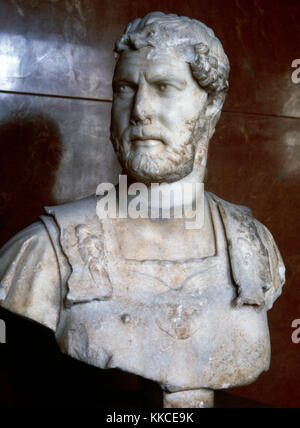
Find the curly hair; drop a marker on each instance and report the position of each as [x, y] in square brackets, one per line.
[193, 39]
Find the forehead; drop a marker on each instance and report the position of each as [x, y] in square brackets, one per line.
[164, 62]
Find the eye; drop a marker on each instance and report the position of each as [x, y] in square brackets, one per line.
[123, 89]
[163, 87]
[169, 87]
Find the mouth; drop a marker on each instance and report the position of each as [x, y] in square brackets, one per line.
[146, 142]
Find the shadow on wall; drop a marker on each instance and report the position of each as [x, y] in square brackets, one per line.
[30, 155]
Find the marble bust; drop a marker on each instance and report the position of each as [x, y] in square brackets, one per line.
[186, 308]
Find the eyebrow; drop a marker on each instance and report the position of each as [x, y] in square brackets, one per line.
[166, 78]
[127, 77]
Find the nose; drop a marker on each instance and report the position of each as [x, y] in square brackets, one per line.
[142, 112]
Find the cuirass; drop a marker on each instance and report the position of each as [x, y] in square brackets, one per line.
[172, 322]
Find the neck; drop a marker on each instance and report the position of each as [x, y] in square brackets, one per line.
[184, 194]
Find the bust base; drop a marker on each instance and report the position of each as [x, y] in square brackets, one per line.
[200, 398]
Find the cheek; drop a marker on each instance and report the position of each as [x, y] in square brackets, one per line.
[180, 114]
[120, 117]
[193, 105]
[191, 110]
[181, 121]
[171, 114]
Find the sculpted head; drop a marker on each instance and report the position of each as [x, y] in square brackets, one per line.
[169, 86]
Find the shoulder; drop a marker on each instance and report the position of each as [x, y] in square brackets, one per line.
[29, 276]
[72, 221]
[230, 208]
[257, 265]
[75, 210]
[24, 244]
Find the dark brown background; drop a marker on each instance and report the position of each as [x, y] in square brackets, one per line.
[56, 65]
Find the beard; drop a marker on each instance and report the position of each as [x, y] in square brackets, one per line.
[173, 164]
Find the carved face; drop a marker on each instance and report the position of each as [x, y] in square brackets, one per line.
[155, 115]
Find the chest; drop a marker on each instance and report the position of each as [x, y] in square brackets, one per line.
[170, 321]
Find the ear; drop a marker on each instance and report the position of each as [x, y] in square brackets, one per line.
[212, 106]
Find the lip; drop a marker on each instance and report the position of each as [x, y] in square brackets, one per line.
[146, 142]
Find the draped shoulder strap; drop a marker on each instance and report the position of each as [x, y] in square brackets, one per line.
[82, 242]
[256, 264]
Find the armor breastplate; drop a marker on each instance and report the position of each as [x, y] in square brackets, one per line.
[172, 322]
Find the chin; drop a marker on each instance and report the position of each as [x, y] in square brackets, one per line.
[148, 169]
[167, 167]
